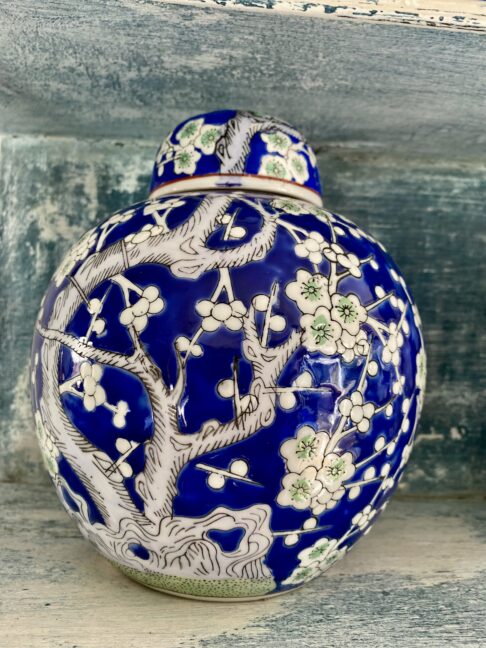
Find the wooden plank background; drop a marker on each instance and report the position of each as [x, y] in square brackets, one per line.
[429, 215]
[133, 69]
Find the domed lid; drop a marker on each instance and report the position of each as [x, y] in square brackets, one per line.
[231, 149]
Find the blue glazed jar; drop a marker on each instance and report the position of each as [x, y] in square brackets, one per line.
[227, 376]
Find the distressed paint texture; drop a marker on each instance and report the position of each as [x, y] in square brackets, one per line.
[467, 15]
[429, 216]
[136, 68]
[418, 580]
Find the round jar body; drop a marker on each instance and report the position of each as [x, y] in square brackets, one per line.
[226, 387]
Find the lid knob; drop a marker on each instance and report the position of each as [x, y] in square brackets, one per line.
[230, 149]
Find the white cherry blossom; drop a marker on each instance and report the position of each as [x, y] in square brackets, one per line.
[273, 166]
[311, 247]
[335, 253]
[157, 206]
[321, 332]
[93, 393]
[416, 314]
[357, 410]
[349, 312]
[326, 500]
[298, 167]
[261, 302]
[137, 315]
[276, 323]
[186, 159]
[364, 517]
[387, 484]
[290, 206]
[98, 324]
[216, 314]
[309, 291]
[233, 232]
[298, 490]
[183, 345]
[303, 574]
[144, 234]
[316, 559]
[331, 557]
[406, 454]
[332, 324]
[120, 217]
[391, 349]
[164, 148]
[277, 142]
[120, 412]
[322, 552]
[207, 138]
[336, 469]
[350, 346]
[246, 403]
[305, 449]
[288, 400]
[190, 131]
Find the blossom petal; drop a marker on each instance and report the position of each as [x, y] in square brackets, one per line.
[287, 401]
[156, 306]
[345, 407]
[210, 324]
[139, 323]
[204, 307]
[234, 323]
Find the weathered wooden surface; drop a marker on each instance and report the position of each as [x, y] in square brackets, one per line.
[103, 68]
[430, 217]
[418, 580]
[467, 15]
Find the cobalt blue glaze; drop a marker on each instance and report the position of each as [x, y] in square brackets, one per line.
[230, 144]
[227, 379]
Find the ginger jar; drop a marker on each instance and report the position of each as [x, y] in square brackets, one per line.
[227, 376]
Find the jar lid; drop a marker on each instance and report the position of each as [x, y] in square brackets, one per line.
[230, 149]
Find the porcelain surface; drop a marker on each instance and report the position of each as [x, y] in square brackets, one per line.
[226, 146]
[226, 383]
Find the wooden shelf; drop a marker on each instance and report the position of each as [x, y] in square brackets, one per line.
[466, 15]
[417, 580]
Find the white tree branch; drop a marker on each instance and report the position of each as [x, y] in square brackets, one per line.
[184, 251]
[84, 350]
[267, 365]
[112, 500]
[234, 145]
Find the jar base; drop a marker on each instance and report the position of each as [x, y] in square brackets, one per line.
[226, 590]
[221, 599]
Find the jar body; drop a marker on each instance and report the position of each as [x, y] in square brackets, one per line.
[226, 387]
